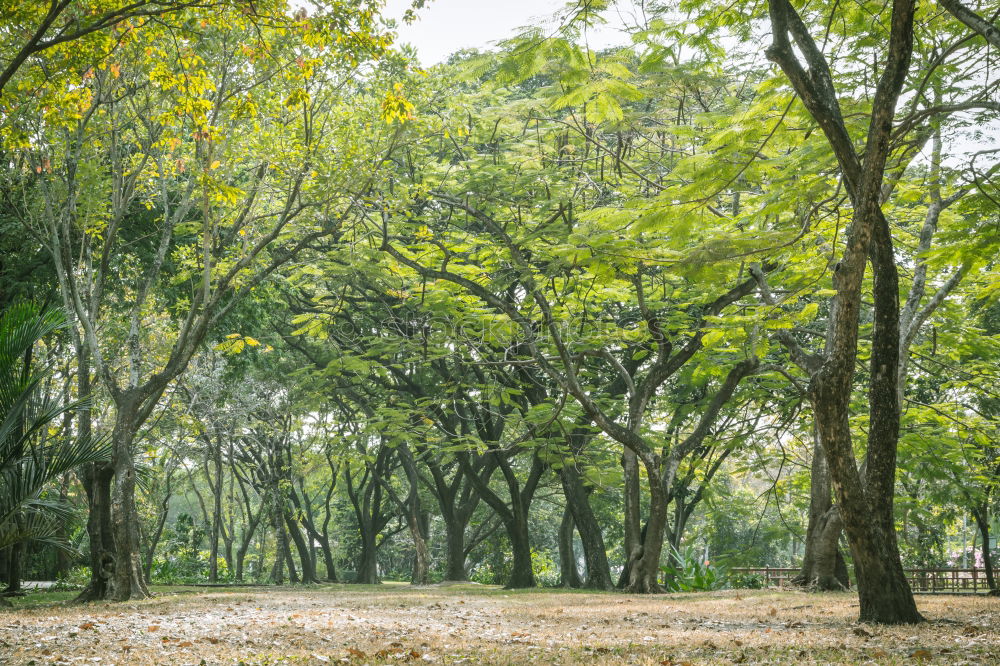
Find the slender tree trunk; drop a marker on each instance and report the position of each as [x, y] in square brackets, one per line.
[515, 516]
[216, 488]
[981, 517]
[154, 540]
[63, 560]
[865, 499]
[253, 520]
[591, 537]
[281, 540]
[633, 516]
[244, 547]
[331, 567]
[823, 564]
[414, 521]
[261, 551]
[293, 574]
[569, 575]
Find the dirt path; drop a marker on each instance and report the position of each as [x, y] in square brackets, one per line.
[466, 624]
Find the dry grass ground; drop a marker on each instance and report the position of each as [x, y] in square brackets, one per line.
[470, 624]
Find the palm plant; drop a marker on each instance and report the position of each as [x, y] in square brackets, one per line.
[31, 456]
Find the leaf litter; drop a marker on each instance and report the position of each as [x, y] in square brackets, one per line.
[392, 624]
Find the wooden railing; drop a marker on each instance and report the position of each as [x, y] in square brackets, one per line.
[947, 580]
[921, 580]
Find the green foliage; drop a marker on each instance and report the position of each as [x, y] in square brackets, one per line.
[34, 450]
[686, 571]
[746, 581]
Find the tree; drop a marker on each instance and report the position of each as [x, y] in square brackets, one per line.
[228, 207]
[865, 497]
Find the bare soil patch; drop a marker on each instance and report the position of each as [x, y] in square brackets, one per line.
[391, 624]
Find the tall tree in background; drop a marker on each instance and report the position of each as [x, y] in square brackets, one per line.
[161, 212]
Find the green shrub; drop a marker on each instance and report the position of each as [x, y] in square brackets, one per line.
[747, 581]
[686, 572]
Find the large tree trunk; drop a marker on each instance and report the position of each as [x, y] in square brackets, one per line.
[829, 571]
[455, 547]
[127, 581]
[97, 479]
[367, 572]
[422, 556]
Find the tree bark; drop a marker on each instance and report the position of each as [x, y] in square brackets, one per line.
[12, 573]
[513, 516]
[97, 479]
[569, 575]
[823, 565]
[127, 581]
[644, 562]
[216, 488]
[591, 537]
[972, 20]
[161, 521]
[981, 516]
[280, 538]
[632, 544]
[369, 512]
[866, 504]
[306, 560]
[412, 510]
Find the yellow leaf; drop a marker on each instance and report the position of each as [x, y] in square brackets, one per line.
[215, 165]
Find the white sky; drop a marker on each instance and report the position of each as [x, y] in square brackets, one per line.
[445, 26]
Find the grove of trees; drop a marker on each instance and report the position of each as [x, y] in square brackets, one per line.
[280, 305]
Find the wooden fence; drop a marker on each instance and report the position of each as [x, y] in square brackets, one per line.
[930, 581]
